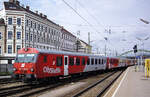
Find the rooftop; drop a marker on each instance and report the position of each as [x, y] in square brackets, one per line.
[15, 5]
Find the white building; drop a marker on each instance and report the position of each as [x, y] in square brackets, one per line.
[25, 28]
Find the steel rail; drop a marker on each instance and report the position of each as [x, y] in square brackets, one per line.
[93, 85]
[104, 89]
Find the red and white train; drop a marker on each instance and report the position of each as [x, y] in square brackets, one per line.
[33, 63]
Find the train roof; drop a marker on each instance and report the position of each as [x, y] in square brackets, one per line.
[67, 53]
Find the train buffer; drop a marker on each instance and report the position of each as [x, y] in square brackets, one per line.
[130, 84]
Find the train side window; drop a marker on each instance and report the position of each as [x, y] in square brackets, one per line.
[71, 61]
[83, 61]
[59, 61]
[45, 59]
[88, 61]
[78, 61]
[102, 61]
[99, 61]
[92, 61]
[96, 61]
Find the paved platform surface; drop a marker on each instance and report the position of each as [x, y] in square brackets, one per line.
[3, 77]
[132, 84]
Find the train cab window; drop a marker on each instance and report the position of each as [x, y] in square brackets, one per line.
[88, 61]
[92, 61]
[71, 61]
[59, 61]
[26, 58]
[78, 61]
[45, 59]
[83, 61]
[95, 61]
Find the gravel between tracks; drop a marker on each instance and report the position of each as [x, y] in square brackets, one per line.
[69, 89]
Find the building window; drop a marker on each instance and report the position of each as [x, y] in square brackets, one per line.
[27, 36]
[31, 24]
[18, 47]
[45, 29]
[9, 34]
[18, 21]
[38, 26]
[18, 35]
[35, 25]
[41, 28]
[9, 21]
[31, 37]
[0, 35]
[0, 50]
[27, 22]
[9, 49]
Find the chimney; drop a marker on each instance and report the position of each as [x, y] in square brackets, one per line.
[17, 2]
[27, 7]
[41, 14]
[12, 1]
[36, 12]
[45, 16]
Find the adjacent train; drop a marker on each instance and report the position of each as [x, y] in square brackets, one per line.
[33, 63]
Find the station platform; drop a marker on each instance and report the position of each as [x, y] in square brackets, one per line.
[131, 84]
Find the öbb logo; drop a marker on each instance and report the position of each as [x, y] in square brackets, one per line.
[51, 70]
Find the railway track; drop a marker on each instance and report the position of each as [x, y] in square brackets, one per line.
[4, 80]
[98, 88]
[35, 89]
[12, 90]
[31, 89]
[9, 81]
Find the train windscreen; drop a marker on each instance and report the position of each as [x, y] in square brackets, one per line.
[26, 58]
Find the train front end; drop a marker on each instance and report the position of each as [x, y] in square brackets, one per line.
[25, 64]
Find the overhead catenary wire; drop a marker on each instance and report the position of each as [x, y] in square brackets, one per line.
[94, 18]
[112, 26]
[80, 16]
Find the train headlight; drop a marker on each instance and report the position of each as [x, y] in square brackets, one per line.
[14, 69]
[32, 70]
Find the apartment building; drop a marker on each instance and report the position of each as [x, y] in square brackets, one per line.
[21, 27]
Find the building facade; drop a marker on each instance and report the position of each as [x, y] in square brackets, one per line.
[68, 41]
[25, 28]
[84, 47]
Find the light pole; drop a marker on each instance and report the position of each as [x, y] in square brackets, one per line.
[142, 42]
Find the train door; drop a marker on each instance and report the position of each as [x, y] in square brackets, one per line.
[65, 65]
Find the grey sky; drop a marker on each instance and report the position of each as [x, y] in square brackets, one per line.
[119, 15]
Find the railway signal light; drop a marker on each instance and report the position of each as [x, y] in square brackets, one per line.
[135, 48]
